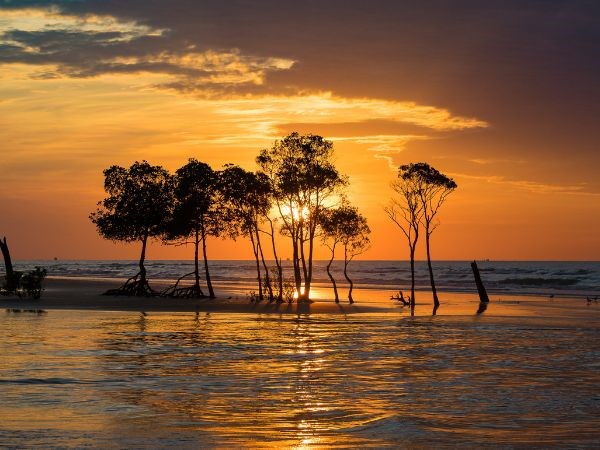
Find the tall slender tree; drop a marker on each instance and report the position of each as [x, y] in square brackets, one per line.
[332, 236]
[196, 216]
[433, 189]
[347, 227]
[246, 196]
[405, 210]
[303, 176]
[137, 207]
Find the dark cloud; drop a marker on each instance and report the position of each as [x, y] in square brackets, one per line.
[530, 68]
[82, 54]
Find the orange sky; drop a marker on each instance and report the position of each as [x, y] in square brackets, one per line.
[497, 98]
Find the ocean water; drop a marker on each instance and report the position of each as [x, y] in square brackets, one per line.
[502, 277]
[91, 379]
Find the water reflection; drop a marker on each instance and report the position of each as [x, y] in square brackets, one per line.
[226, 380]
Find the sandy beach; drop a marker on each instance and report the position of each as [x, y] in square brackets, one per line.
[64, 293]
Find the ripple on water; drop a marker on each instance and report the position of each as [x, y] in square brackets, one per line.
[237, 380]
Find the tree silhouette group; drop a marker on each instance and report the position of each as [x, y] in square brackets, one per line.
[296, 192]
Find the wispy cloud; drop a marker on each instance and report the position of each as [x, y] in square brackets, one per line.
[528, 185]
[229, 87]
[58, 45]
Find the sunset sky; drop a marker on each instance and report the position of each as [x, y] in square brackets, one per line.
[502, 96]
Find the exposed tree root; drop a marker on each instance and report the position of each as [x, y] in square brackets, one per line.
[400, 297]
[175, 291]
[135, 286]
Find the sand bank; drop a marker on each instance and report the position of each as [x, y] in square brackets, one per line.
[85, 294]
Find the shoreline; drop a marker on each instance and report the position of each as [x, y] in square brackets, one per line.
[79, 293]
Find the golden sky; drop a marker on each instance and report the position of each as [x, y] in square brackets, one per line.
[503, 97]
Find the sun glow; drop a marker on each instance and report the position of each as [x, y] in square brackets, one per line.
[295, 212]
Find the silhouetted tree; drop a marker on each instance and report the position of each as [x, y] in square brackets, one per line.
[195, 216]
[331, 237]
[303, 177]
[406, 211]
[433, 189]
[346, 226]
[246, 196]
[278, 275]
[137, 207]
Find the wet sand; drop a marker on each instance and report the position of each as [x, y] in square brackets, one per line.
[86, 294]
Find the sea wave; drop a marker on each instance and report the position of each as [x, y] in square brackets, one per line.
[513, 277]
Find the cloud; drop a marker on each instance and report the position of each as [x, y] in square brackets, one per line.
[84, 40]
[255, 119]
[528, 185]
[93, 45]
[328, 108]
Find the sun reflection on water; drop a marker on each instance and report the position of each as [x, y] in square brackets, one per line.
[234, 381]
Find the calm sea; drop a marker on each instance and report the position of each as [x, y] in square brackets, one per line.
[503, 277]
[91, 379]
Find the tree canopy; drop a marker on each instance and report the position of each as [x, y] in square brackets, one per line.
[303, 177]
[138, 204]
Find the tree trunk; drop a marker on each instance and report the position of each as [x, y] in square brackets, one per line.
[211, 292]
[346, 274]
[143, 279]
[296, 258]
[305, 294]
[196, 265]
[7, 264]
[311, 241]
[431, 279]
[262, 258]
[412, 275]
[277, 263]
[335, 291]
[258, 275]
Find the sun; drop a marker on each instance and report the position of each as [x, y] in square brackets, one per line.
[295, 212]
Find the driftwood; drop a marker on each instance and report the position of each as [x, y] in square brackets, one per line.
[483, 297]
[400, 297]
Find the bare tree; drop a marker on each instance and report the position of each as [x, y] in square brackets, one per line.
[433, 187]
[406, 211]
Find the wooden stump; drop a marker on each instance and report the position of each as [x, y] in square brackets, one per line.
[483, 297]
